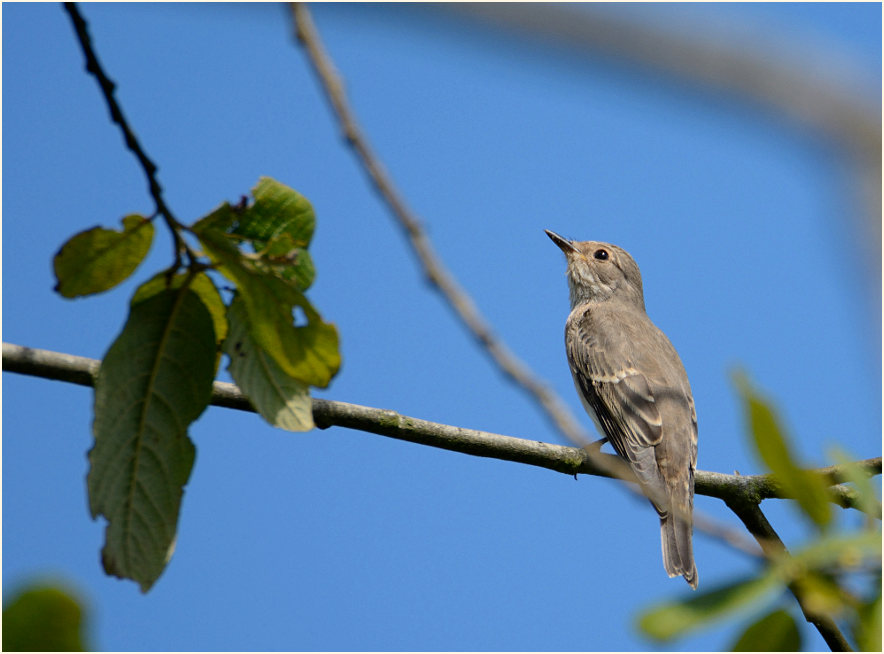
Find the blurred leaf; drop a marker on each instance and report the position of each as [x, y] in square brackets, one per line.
[98, 259]
[154, 381]
[868, 631]
[867, 497]
[775, 632]
[43, 619]
[308, 353]
[282, 401]
[846, 550]
[200, 284]
[771, 443]
[821, 594]
[672, 619]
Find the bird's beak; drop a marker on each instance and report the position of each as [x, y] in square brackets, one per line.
[564, 244]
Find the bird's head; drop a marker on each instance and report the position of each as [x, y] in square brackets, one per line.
[600, 271]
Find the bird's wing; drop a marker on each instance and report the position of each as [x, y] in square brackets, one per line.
[620, 394]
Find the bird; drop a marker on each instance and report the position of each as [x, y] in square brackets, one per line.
[633, 385]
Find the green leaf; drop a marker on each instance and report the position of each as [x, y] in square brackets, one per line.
[309, 352]
[43, 619]
[808, 489]
[672, 619]
[775, 632]
[98, 259]
[154, 381]
[867, 497]
[278, 227]
[279, 212]
[868, 630]
[282, 401]
[200, 284]
[849, 551]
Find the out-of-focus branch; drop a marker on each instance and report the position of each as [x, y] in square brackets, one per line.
[436, 272]
[822, 103]
[756, 522]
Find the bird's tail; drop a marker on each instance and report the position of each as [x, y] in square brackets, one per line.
[678, 552]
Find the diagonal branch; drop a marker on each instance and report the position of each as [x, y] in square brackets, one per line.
[436, 272]
[327, 413]
[756, 522]
[108, 87]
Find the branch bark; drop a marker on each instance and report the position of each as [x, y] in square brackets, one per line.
[327, 413]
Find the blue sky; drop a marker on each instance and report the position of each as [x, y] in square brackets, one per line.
[342, 540]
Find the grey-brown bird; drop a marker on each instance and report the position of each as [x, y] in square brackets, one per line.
[633, 385]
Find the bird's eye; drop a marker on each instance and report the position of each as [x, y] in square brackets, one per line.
[601, 254]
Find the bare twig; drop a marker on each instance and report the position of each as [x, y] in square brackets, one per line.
[328, 413]
[107, 87]
[435, 271]
[756, 522]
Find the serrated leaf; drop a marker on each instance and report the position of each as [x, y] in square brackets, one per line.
[282, 401]
[154, 381]
[308, 353]
[98, 259]
[774, 632]
[771, 443]
[43, 619]
[669, 620]
[200, 284]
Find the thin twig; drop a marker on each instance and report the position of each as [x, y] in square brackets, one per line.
[756, 522]
[436, 272]
[108, 87]
[327, 413]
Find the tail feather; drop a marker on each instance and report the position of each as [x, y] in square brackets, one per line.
[678, 551]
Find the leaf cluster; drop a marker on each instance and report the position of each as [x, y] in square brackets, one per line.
[156, 378]
[836, 574]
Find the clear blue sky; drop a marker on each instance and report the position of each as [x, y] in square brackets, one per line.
[347, 541]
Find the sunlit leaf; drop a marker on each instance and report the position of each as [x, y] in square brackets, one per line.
[43, 618]
[675, 618]
[868, 630]
[278, 212]
[821, 594]
[278, 227]
[306, 352]
[98, 259]
[154, 381]
[849, 551]
[672, 619]
[282, 401]
[775, 632]
[867, 497]
[771, 443]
